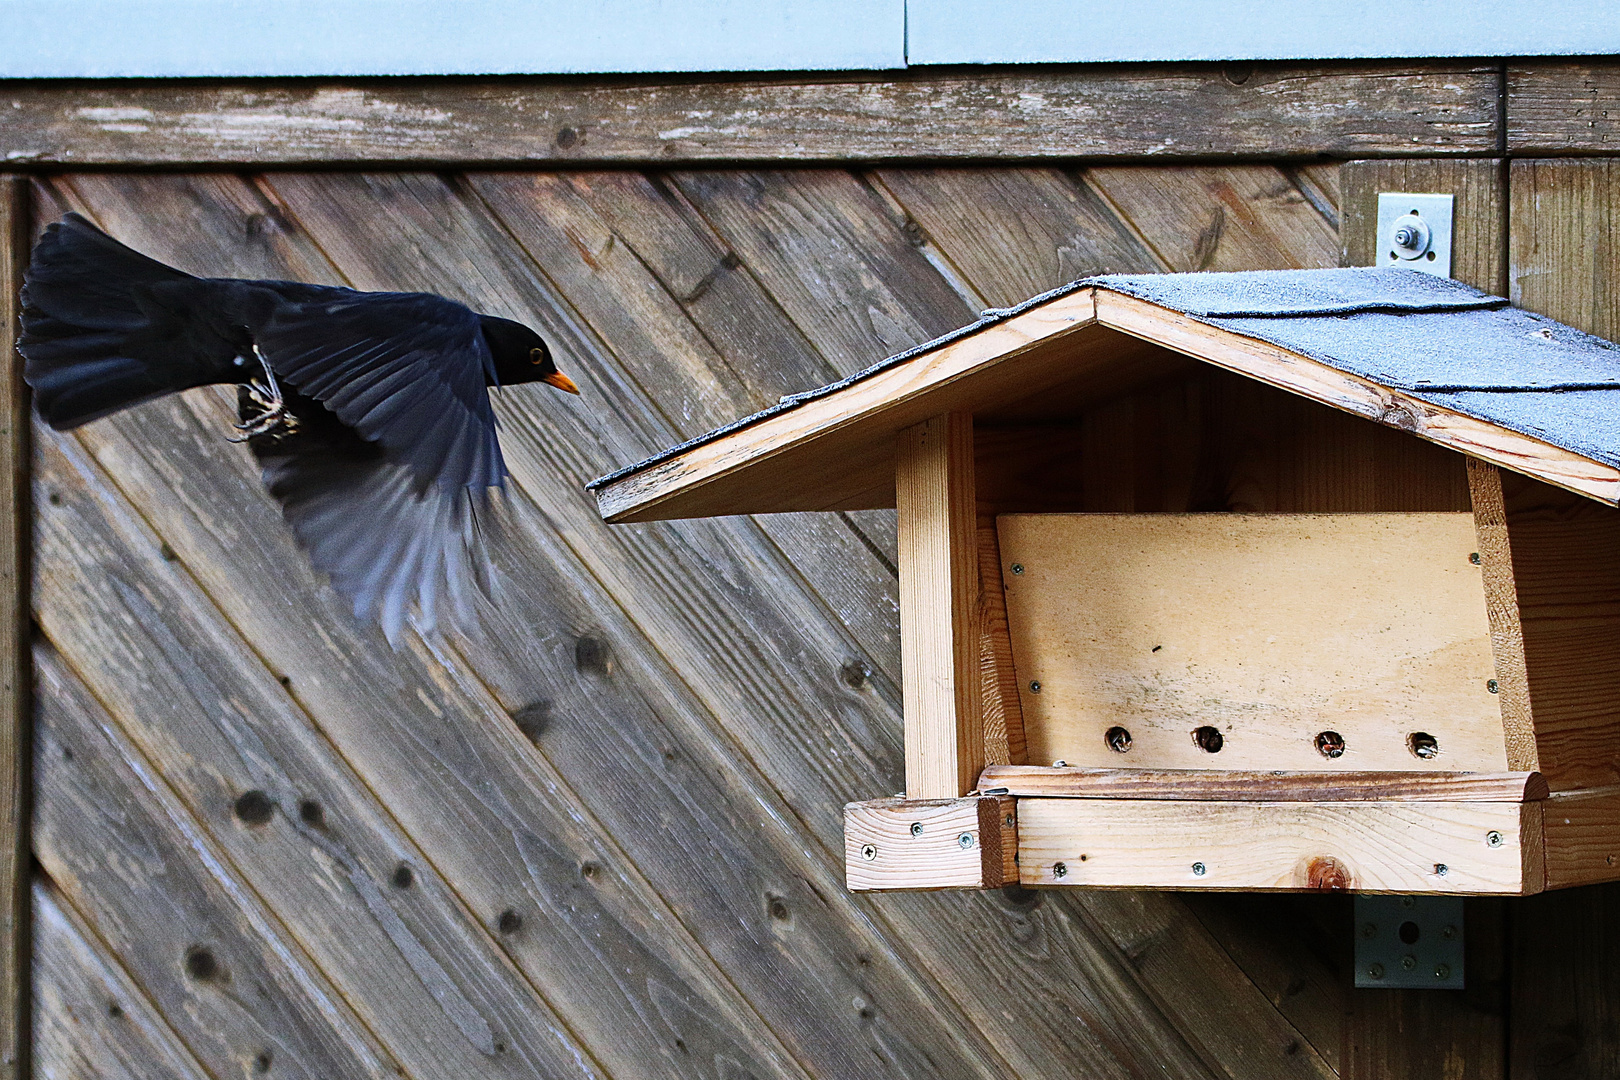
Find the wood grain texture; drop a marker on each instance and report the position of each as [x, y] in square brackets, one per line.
[1199, 641]
[939, 607]
[1502, 607]
[1290, 371]
[1566, 575]
[318, 848]
[1373, 847]
[89, 1018]
[1273, 785]
[1479, 213]
[495, 818]
[1162, 111]
[15, 678]
[967, 843]
[217, 964]
[1001, 714]
[1583, 837]
[700, 593]
[1564, 259]
[1206, 217]
[1569, 107]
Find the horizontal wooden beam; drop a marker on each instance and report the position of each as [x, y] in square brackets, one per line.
[1222, 785]
[1123, 111]
[1563, 108]
[1400, 847]
[966, 843]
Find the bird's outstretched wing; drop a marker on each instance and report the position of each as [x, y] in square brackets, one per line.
[362, 518]
[407, 371]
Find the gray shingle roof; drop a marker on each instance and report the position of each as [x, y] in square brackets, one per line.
[1436, 339]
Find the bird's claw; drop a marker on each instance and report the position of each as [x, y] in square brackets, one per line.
[273, 418]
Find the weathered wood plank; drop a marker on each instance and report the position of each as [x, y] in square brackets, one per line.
[1563, 255]
[1361, 110]
[680, 316]
[304, 832]
[496, 815]
[164, 899]
[1479, 213]
[89, 1018]
[14, 665]
[1234, 785]
[1207, 217]
[1014, 233]
[608, 954]
[939, 607]
[1570, 107]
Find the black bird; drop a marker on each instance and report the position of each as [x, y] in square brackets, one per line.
[369, 413]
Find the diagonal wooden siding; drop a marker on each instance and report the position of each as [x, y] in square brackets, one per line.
[602, 837]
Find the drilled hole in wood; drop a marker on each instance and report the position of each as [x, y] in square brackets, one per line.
[1118, 739]
[403, 877]
[1330, 744]
[1208, 739]
[509, 922]
[311, 814]
[1423, 745]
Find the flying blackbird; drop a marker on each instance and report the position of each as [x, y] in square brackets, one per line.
[368, 413]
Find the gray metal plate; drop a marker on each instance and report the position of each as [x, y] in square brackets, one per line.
[1409, 942]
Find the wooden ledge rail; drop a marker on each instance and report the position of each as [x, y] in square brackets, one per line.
[1219, 785]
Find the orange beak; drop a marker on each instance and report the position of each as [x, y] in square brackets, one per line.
[561, 382]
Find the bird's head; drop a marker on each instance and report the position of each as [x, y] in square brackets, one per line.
[521, 355]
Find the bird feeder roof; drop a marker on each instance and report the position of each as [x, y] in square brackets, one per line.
[1431, 356]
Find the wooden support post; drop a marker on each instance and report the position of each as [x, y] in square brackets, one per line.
[1502, 607]
[939, 607]
[15, 678]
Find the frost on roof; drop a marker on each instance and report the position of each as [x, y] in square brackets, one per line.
[1437, 339]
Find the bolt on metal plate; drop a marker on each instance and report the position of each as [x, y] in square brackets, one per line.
[1409, 942]
[1414, 231]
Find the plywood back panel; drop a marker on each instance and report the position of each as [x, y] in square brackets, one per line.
[1270, 629]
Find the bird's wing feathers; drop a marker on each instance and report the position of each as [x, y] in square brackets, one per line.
[361, 517]
[407, 371]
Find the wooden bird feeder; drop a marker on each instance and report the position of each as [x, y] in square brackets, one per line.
[1399, 671]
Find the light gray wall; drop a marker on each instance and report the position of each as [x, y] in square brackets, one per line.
[109, 38]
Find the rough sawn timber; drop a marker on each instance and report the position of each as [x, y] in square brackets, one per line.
[1187, 110]
[15, 677]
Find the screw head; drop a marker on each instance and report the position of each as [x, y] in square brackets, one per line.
[1492, 686]
[869, 852]
[1060, 869]
[1474, 558]
[1060, 764]
[1441, 869]
[1199, 869]
[1442, 971]
[965, 841]
[1017, 568]
[1034, 686]
[1493, 839]
[1369, 930]
[1408, 963]
[916, 828]
[1010, 822]
[1376, 970]
[1448, 932]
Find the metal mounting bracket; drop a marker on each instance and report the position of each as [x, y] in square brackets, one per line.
[1409, 942]
[1414, 231]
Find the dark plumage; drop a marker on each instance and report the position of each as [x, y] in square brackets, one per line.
[369, 413]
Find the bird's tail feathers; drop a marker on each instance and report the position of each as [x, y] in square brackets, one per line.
[92, 337]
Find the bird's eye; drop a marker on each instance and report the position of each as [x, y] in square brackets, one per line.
[537, 356]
